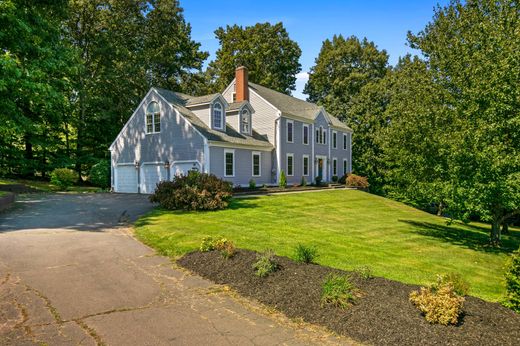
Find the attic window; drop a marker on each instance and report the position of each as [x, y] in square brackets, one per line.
[245, 121]
[153, 118]
[217, 115]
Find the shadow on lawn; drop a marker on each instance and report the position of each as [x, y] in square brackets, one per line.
[476, 238]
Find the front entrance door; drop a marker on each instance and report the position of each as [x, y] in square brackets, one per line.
[320, 168]
[321, 164]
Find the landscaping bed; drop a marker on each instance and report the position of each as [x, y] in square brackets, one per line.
[238, 191]
[381, 315]
[18, 188]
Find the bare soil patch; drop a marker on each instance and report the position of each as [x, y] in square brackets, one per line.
[382, 315]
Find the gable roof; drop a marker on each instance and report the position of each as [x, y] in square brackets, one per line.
[179, 102]
[292, 106]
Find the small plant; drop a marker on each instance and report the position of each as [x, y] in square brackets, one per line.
[283, 179]
[303, 182]
[208, 244]
[357, 181]
[337, 290]
[305, 254]
[364, 272]
[442, 301]
[318, 180]
[343, 179]
[63, 177]
[226, 247]
[252, 184]
[513, 282]
[99, 174]
[334, 178]
[265, 264]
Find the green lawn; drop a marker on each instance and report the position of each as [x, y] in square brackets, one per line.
[46, 186]
[350, 229]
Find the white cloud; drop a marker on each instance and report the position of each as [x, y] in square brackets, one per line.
[302, 76]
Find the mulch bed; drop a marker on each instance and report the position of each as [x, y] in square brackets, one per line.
[383, 314]
[266, 190]
[18, 188]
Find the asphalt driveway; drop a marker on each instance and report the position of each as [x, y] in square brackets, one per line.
[71, 273]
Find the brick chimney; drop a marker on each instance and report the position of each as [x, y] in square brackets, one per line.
[241, 84]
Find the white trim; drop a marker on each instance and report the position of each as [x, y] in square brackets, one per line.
[222, 116]
[312, 161]
[287, 164]
[329, 171]
[324, 171]
[126, 164]
[308, 165]
[334, 139]
[350, 153]
[153, 119]
[287, 122]
[334, 167]
[345, 166]
[225, 168]
[278, 148]
[151, 163]
[249, 121]
[206, 157]
[305, 126]
[345, 146]
[253, 153]
[237, 146]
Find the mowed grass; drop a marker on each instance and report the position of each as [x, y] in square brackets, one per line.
[350, 229]
[46, 186]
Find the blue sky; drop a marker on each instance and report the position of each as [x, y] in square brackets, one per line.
[311, 22]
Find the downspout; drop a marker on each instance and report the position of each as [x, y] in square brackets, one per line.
[206, 155]
[312, 159]
[329, 159]
[350, 152]
[278, 142]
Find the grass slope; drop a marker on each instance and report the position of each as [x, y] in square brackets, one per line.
[350, 229]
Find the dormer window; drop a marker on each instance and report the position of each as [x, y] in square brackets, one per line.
[217, 116]
[153, 118]
[245, 121]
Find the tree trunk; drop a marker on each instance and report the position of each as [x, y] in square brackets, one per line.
[505, 228]
[494, 237]
[440, 209]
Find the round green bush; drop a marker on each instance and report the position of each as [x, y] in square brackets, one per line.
[513, 282]
[99, 174]
[63, 177]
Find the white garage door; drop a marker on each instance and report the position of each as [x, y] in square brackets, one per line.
[151, 174]
[182, 168]
[126, 178]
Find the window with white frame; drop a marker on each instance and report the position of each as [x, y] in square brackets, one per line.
[153, 118]
[321, 135]
[256, 163]
[305, 162]
[217, 116]
[245, 122]
[344, 141]
[290, 165]
[229, 163]
[305, 134]
[335, 166]
[290, 131]
[324, 137]
[317, 135]
[334, 139]
[345, 166]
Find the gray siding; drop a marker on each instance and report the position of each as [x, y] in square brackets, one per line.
[297, 148]
[243, 166]
[176, 141]
[341, 153]
[203, 112]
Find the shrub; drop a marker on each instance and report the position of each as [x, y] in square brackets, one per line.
[208, 244]
[439, 305]
[252, 184]
[99, 174]
[194, 191]
[334, 178]
[460, 286]
[364, 272]
[265, 264]
[226, 247]
[283, 179]
[343, 179]
[337, 290]
[303, 182]
[318, 180]
[354, 180]
[513, 282]
[63, 177]
[305, 254]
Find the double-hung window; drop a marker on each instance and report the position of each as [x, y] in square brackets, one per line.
[335, 166]
[334, 139]
[344, 141]
[290, 165]
[345, 166]
[305, 165]
[305, 134]
[290, 131]
[256, 157]
[244, 122]
[153, 118]
[229, 163]
[217, 116]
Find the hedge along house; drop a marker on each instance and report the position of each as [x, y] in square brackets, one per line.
[247, 132]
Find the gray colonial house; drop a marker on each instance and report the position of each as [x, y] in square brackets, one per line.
[247, 132]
